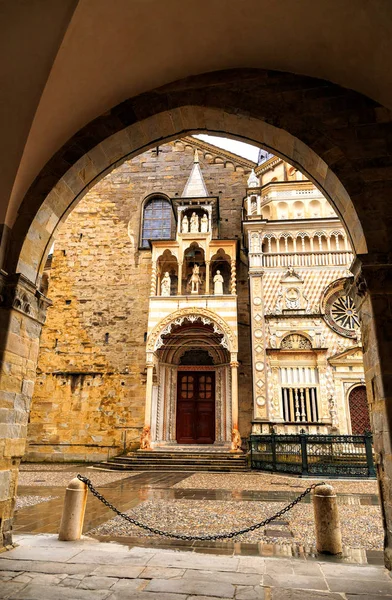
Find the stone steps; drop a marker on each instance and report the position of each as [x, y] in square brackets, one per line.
[178, 461]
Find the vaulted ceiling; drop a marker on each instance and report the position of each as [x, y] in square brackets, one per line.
[65, 62]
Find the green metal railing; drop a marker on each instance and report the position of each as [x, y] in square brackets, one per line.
[313, 455]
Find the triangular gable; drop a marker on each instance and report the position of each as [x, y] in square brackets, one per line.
[352, 354]
[195, 186]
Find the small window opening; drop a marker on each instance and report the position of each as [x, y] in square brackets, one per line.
[106, 338]
[68, 302]
[145, 336]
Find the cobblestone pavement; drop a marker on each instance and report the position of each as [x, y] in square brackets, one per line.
[157, 499]
[42, 568]
[361, 525]
[270, 482]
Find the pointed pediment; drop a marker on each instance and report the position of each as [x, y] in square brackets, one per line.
[195, 186]
[291, 276]
[350, 355]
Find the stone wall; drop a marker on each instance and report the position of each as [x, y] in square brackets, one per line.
[90, 392]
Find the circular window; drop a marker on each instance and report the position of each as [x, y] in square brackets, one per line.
[339, 311]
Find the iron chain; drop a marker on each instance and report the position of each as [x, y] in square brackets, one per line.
[178, 536]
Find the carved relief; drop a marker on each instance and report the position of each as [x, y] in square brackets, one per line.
[229, 340]
[295, 341]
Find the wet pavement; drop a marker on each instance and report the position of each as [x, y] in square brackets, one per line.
[42, 568]
[130, 492]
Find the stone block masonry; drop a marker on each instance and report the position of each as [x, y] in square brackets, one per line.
[90, 393]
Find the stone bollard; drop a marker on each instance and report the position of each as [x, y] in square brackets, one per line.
[75, 500]
[327, 524]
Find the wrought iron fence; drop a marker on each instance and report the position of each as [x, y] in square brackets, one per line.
[303, 454]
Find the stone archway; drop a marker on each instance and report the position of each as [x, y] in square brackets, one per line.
[338, 137]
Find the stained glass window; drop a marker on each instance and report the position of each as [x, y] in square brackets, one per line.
[157, 221]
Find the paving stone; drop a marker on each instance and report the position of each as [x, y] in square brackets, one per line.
[287, 580]
[355, 572]
[297, 567]
[23, 578]
[47, 579]
[124, 595]
[198, 587]
[279, 594]
[193, 561]
[353, 586]
[162, 573]
[106, 558]
[8, 589]
[45, 567]
[68, 582]
[126, 571]
[51, 592]
[97, 583]
[224, 576]
[251, 564]
[132, 585]
[56, 554]
[248, 592]
[367, 597]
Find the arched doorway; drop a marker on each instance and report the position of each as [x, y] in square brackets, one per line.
[359, 410]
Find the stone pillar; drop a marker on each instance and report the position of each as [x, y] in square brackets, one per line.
[22, 314]
[207, 277]
[259, 344]
[179, 283]
[145, 440]
[371, 288]
[235, 435]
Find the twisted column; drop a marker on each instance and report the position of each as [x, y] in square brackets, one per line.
[233, 278]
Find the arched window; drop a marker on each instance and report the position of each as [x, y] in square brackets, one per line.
[157, 220]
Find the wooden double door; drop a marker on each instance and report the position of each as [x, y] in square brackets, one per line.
[196, 407]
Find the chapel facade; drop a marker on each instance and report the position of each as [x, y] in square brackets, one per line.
[241, 323]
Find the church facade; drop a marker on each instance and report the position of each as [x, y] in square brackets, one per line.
[240, 322]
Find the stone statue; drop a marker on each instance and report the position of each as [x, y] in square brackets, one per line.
[185, 225]
[279, 302]
[218, 284]
[165, 285]
[195, 280]
[145, 438]
[204, 223]
[194, 223]
[235, 441]
[333, 412]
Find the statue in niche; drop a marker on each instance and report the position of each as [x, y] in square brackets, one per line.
[185, 225]
[279, 302]
[333, 412]
[218, 284]
[195, 279]
[165, 285]
[194, 223]
[204, 223]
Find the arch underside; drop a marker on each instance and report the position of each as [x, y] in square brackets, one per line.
[307, 122]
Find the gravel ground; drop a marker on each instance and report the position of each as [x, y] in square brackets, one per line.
[269, 482]
[48, 467]
[361, 525]
[26, 501]
[47, 478]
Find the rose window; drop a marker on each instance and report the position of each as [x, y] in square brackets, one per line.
[340, 312]
[344, 314]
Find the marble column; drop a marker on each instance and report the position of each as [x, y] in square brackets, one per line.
[371, 288]
[235, 435]
[207, 277]
[179, 289]
[145, 440]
